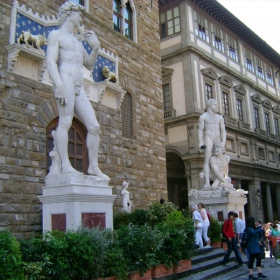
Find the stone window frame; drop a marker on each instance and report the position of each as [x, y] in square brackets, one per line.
[232, 48]
[163, 24]
[127, 116]
[167, 79]
[209, 77]
[240, 94]
[78, 128]
[267, 109]
[225, 85]
[248, 56]
[231, 138]
[121, 16]
[270, 151]
[260, 71]
[247, 153]
[257, 103]
[260, 148]
[217, 38]
[201, 29]
[269, 75]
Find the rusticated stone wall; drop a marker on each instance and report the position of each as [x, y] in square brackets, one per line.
[27, 106]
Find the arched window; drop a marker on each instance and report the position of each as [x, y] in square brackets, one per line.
[124, 18]
[77, 150]
[127, 119]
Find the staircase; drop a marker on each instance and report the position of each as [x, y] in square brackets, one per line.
[206, 264]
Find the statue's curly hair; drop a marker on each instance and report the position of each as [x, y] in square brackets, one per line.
[66, 10]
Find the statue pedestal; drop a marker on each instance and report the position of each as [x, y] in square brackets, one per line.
[219, 202]
[70, 200]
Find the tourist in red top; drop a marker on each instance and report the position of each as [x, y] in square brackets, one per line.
[228, 231]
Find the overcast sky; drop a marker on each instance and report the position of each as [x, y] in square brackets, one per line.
[261, 16]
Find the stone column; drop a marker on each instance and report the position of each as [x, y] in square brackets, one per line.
[278, 199]
[269, 203]
[254, 185]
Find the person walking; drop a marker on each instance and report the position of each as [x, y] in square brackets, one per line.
[198, 225]
[228, 231]
[206, 224]
[252, 236]
[261, 238]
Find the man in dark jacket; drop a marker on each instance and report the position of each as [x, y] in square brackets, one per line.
[229, 233]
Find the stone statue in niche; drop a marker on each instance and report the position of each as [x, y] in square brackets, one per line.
[110, 76]
[32, 40]
[211, 131]
[65, 59]
[125, 198]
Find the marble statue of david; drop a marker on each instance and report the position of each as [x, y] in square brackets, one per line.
[65, 59]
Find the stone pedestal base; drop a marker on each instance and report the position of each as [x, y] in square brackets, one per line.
[70, 200]
[219, 203]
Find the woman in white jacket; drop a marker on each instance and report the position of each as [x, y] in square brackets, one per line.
[206, 223]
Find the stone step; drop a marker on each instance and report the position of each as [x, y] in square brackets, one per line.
[207, 265]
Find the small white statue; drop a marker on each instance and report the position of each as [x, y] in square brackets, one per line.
[110, 76]
[32, 40]
[125, 198]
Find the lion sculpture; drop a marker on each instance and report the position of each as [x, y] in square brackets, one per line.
[34, 40]
[110, 76]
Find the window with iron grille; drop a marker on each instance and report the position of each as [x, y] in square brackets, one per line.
[127, 118]
[256, 117]
[208, 91]
[167, 97]
[123, 19]
[225, 104]
[170, 22]
[267, 125]
[77, 150]
[239, 109]
[276, 124]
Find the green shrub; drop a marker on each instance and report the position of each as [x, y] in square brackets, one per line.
[10, 257]
[138, 217]
[140, 244]
[214, 230]
[158, 212]
[121, 219]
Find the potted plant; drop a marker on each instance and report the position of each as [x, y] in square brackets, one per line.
[139, 245]
[214, 233]
[177, 245]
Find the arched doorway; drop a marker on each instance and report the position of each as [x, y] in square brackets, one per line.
[176, 180]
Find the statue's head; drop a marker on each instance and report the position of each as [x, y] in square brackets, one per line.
[66, 10]
[217, 148]
[212, 103]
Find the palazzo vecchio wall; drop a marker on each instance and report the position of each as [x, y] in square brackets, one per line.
[27, 107]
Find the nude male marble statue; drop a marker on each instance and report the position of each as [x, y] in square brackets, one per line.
[219, 168]
[211, 130]
[65, 59]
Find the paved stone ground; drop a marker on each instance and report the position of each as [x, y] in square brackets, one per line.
[270, 269]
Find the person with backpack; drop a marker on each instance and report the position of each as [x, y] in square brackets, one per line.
[253, 247]
[229, 233]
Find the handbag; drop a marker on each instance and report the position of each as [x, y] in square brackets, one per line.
[244, 241]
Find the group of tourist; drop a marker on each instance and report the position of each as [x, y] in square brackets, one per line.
[201, 220]
[259, 237]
